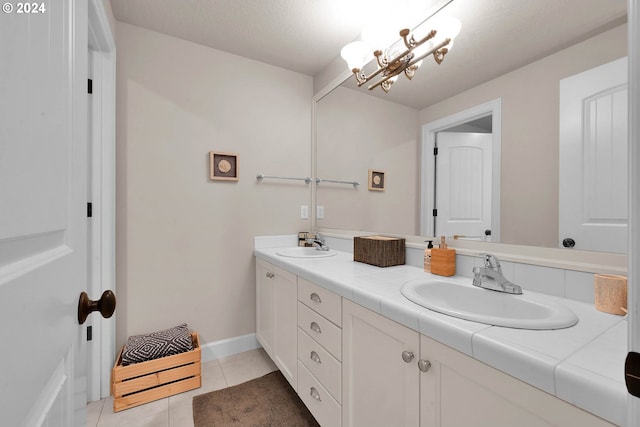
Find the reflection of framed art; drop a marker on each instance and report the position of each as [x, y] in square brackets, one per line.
[223, 166]
[376, 180]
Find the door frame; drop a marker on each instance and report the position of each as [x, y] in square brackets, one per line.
[429, 131]
[633, 22]
[102, 54]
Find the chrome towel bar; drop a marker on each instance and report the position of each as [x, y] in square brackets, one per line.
[260, 177]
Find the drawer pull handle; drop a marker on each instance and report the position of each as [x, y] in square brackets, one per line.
[424, 365]
[314, 393]
[314, 356]
[407, 356]
[315, 297]
[315, 327]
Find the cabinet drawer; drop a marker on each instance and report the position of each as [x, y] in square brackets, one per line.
[321, 330]
[317, 399]
[321, 300]
[321, 364]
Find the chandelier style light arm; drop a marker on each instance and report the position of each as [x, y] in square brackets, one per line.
[438, 52]
[356, 54]
[384, 63]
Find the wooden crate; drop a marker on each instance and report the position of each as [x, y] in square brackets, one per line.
[144, 382]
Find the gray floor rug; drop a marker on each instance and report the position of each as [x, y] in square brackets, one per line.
[268, 401]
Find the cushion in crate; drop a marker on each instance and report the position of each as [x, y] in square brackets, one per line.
[140, 348]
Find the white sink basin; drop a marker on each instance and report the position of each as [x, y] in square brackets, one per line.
[301, 252]
[527, 311]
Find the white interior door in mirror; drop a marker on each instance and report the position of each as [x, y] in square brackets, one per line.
[593, 159]
[463, 184]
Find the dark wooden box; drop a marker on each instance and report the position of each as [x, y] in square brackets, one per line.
[380, 251]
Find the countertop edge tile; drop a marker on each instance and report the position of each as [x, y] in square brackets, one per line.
[533, 368]
[603, 396]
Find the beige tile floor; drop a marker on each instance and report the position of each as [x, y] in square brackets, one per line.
[175, 411]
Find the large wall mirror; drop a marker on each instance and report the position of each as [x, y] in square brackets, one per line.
[501, 79]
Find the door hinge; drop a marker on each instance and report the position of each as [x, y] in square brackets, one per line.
[89, 86]
[89, 333]
[435, 212]
[89, 210]
[435, 151]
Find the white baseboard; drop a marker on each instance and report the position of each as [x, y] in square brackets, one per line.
[228, 347]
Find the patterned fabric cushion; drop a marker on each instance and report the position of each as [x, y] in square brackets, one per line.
[140, 348]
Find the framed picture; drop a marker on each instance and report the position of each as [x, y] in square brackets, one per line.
[223, 166]
[376, 180]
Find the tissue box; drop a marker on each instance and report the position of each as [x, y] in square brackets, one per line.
[380, 251]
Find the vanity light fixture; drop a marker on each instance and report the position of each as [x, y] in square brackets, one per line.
[391, 64]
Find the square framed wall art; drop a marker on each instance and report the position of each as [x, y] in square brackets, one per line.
[376, 180]
[223, 166]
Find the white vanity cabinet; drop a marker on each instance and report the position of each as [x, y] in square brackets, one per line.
[458, 390]
[276, 317]
[353, 367]
[380, 378]
[320, 352]
[392, 375]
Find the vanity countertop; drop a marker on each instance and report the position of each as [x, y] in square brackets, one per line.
[583, 365]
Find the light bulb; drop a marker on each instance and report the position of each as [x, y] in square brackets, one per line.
[356, 54]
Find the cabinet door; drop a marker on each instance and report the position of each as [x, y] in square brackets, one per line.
[379, 387]
[460, 391]
[265, 306]
[286, 325]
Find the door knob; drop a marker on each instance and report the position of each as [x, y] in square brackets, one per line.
[568, 242]
[106, 305]
[407, 356]
[424, 365]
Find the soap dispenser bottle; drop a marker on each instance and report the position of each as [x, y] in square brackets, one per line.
[427, 256]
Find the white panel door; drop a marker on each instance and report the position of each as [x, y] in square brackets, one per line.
[286, 325]
[379, 388]
[43, 213]
[265, 305]
[593, 159]
[463, 181]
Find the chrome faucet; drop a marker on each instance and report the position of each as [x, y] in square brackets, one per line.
[319, 243]
[490, 277]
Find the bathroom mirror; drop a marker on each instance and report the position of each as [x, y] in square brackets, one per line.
[514, 53]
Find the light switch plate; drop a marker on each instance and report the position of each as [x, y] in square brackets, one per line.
[304, 212]
[320, 212]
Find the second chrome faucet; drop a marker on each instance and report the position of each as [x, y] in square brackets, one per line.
[490, 277]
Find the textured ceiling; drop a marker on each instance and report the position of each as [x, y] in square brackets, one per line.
[300, 35]
[306, 35]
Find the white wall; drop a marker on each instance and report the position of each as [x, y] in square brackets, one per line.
[357, 132]
[184, 243]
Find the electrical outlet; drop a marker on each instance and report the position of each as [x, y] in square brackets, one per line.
[320, 212]
[304, 212]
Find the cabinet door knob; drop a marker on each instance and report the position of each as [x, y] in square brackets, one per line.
[424, 365]
[314, 356]
[407, 356]
[315, 327]
[314, 393]
[270, 275]
[315, 297]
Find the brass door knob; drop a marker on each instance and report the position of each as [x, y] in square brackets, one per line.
[106, 305]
